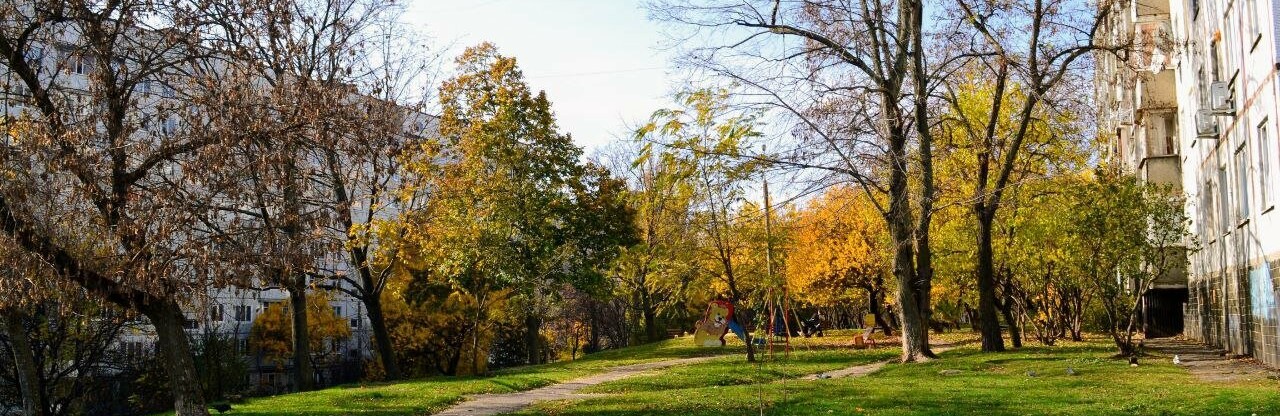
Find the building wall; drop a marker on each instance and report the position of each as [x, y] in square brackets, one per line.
[1229, 178]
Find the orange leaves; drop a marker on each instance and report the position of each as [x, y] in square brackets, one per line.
[841, 246]
[271, 334]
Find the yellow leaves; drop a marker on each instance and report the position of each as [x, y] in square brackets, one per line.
[272, 331]
[840, 246]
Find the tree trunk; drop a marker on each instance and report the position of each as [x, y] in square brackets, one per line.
[915, 335]
[24, 362]
[593, 342]
[304, 377]
[739, 316]
[1015, 331]
[532, 325]
[650, 327]
[989, 322]
[175, 350]
[876, 307]
[381, 338]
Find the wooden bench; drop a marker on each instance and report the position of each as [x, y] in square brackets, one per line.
[675, 332]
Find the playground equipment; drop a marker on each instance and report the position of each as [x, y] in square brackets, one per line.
[777, 326]
[715, 323]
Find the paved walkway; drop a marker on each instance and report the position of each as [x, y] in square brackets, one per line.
[493, 404]
[865, 369]
[1206, 363]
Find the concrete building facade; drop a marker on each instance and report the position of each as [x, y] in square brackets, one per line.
[1195, 107]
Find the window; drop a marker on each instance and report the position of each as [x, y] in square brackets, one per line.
[1252, 16]
[166, 91]
[35, 58]
[1206, 211]
[169, 126]
[1202, 86]
[337, 310]
[1242, 182]
[81, 64]
[244, 313]
[1224, 200]
[215, 312]
[1264, 165]
[1216, 61]
[355, 322]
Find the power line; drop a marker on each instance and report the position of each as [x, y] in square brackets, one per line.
[581, 74]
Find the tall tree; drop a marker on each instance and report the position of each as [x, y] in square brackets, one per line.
[101, 187]
[650, 273]
[708, 137]
[857, 84]
[326, 143]
[1039, 72]
[511, 205]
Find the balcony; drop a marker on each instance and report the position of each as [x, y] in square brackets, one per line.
[1162, 170]
[1153, 42]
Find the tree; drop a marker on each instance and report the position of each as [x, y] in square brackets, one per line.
[511, 206]
[272, 332]
[120, 156]
[651, 274]
[841, 248]
[1127, 235]
[325, 146]
[1030, 75]
[708, 138]
[1049, 144]
[857, 85]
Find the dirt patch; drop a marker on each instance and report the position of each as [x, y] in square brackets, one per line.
[493, 404]
[1207, 364]
[865, 369]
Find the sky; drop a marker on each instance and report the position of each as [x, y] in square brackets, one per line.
[599, 61]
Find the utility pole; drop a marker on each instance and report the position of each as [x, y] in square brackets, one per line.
[768, 225]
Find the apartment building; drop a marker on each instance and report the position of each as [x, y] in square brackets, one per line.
[1195, 107]
[1139, 120]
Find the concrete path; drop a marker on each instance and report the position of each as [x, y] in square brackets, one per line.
[865, 369]
[1206, 363]
[494, 404]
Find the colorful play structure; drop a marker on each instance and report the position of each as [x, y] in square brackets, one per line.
[773, 320]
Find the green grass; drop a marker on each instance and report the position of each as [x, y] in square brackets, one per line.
[987, 384]
[433, 394]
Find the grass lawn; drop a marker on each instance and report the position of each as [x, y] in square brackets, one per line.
[428, 395]
[432, 394]
[987, 384]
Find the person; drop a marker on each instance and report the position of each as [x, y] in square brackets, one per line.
[813, 325]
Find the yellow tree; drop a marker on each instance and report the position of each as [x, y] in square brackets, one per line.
[976, 131]
[272, 331]
[840, 249]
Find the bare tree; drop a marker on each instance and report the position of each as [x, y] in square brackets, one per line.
[333, 133]
[853, 79]
[112, 149]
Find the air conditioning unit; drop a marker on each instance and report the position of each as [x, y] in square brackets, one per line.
[1206, 125]
[1220, 101]
[1123, 116]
